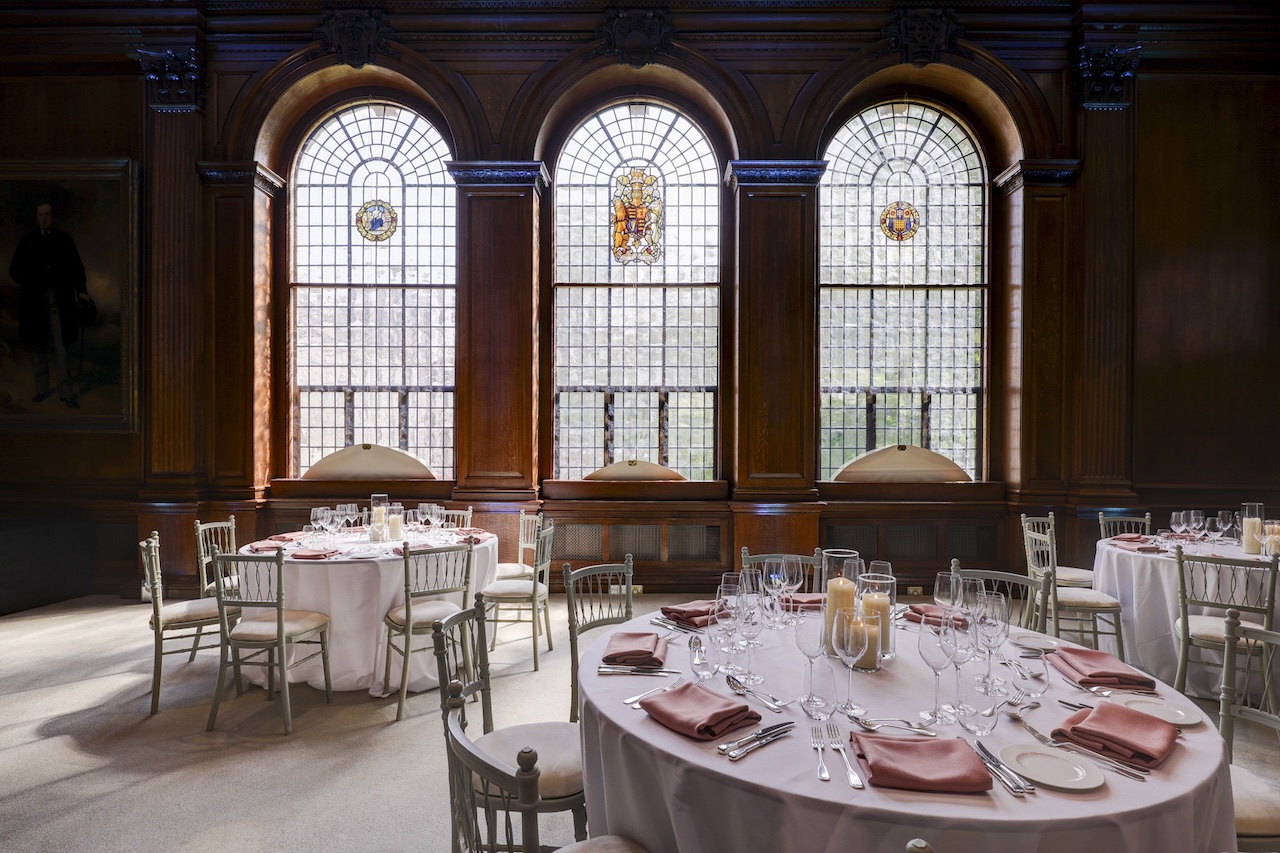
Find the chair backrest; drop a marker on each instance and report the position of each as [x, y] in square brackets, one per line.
[527, 542]
[1251, 701]
[213, 537]
[455, 517]
[487, 795]
[462, 655]
[259, 582]
[150, 551]
[542, 554]
[1114, 525]
[811, 566]
[436, 571]
[1042, 550]
[596, 595]
[1222, 583]
[1028, 598]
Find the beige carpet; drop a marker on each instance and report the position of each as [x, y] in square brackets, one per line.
[83, 766]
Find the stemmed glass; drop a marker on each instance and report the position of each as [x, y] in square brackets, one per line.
[1213, 531]
[880, 567]
[750, 621]
[720, 629]
[320, 516]
[793, 577]
[992, 624]
[849, 639]
[1226, 519]
[1177, 523]
[810, 634]
[1194, 519]
[774, 586]
[936, 652]
[959, 640]
[944, 590]
[727, 596]
[751, 583]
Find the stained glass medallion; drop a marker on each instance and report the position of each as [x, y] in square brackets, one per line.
[636, 218]
[376, 220]
[899, 221]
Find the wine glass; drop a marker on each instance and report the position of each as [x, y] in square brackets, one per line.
[849, 639]
[880, 567]
[959, 640]
[1226, 519]
[793, 577]
[811, 638]
[720, 629]
[1177, 523]
[750, 622]
[1194, 519]
[1213, 532]
[944, 590]
[992, 624]
[967, 594]
[751, 582]
[727, 602]
[319, 518]
[936, 654]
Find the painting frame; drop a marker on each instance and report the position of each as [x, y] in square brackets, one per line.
[96, 202]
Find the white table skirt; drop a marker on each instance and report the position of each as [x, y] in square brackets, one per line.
[357, 593]
[1147, 588]
[671, 793]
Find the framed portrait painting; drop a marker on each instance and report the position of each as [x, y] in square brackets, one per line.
[68, 295]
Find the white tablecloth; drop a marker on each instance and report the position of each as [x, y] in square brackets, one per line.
[357, 593]
[1147, 588]
[671, 793]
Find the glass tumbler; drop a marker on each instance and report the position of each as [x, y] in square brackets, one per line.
[878, 593]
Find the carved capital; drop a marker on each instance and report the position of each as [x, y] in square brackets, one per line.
[1104, 78]
[636, 36]
[1038, 173]
[355, 35]
[920, 36]
[500, 173]
[774, 172]
[175, 80]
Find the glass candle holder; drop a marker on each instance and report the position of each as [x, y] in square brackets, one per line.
[879, 594]
[1250, 527]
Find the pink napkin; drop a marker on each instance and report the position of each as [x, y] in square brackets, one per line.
[1139, 546]
[796, 602]
[932, 614]
[471, 531]
[946, 765]
[693, 710]
[288, 537]
[636, 648]
[1091, 668]
[695, 614]
[265, 546]
[1120, 732]
[1128, 537]
[313, 554]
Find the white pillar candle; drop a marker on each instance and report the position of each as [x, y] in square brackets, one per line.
[841, 593]
[1249, 530]
[871, 657]
[878, 602]
[395, 526]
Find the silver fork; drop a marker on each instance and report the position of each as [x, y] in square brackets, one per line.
[837, 743]
[634, 701]
[818, 743]
[1018, 697]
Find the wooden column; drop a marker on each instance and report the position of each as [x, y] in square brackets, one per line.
[497, 360]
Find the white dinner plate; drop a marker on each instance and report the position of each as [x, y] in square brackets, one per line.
[1034, 641]
[1056, 768]
[1158, 707]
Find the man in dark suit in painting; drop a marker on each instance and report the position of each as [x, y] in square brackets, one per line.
[47, 267]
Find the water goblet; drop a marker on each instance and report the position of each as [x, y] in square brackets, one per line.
[936, 654]
[810, 636]
[849, 639]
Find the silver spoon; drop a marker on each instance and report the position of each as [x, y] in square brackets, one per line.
[1016, 713]
[743, 690]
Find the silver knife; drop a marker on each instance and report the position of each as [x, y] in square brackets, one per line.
[735, 754]
[756, 735]
[1023, 782]
[997, 773]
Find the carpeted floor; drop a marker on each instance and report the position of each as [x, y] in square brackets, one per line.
[84, 768]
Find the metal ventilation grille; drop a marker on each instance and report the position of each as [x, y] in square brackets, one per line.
[911, 542]
[693, 542]
[858, 537]
[578, 542]
[969, 542]
[641, 541]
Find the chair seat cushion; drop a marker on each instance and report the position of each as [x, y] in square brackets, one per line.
[604, 844]
[1257, 803]
[1209, 629]
[196, 611]
[506, 571]
[1078, 598]
[512, 590]
[559, 753]
[425, 612]
[1069, 576]
[263, 629]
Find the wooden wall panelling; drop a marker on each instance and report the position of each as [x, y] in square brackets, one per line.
[776, 389]
[498, 214]
[781, 528]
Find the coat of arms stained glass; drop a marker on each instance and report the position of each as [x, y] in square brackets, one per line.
[636, 219]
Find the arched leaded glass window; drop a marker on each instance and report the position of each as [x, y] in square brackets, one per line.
[374, 287]
[903, 288]
[637, 296]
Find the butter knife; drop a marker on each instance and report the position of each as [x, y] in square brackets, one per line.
[756, 735]
[735, 754]
[998, 774]
[1022, 782]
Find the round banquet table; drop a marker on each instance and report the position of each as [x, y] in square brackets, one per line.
[357, 589]
[1146, 585]
[671, 793]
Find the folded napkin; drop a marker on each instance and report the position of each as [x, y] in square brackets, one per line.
[474, 538]
[470, 531]
[799, 601]
[695, 614]
[698, 712]
[636, 648]
[314, 554]
[932, 614]
[1129, 537]
[946, 765]
[1119, 732]
[1092, 668]
[1141, 546]
[265, 546]
[289, 537]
